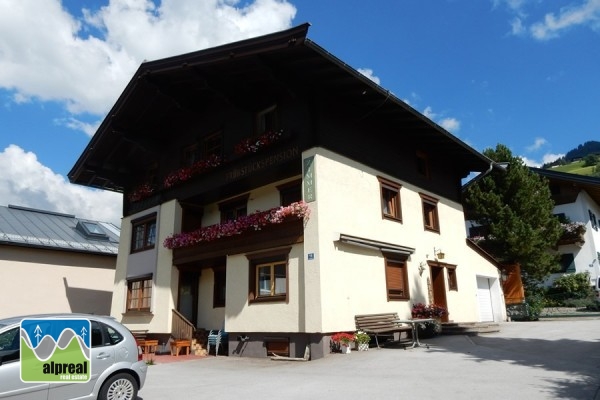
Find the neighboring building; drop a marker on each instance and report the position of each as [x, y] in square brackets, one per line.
[577, 198]
[53, 262]
[362, 192]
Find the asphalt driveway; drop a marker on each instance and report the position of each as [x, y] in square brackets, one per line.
[558, 359]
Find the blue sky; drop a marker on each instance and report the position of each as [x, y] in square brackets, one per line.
[524, 73]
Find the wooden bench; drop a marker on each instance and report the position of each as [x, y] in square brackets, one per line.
[384, 323]
[177, 345]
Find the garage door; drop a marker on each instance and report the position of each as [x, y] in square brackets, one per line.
[484, 298]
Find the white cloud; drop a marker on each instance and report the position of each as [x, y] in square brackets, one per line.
[49, 55]
[539, 142]
[450, 124]
[55, 59]
[369, 74]
[529, 162]
[548, 158]
[26, 182]
[428, 112]
[587, 14]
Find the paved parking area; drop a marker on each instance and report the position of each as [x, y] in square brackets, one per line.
[557, 359]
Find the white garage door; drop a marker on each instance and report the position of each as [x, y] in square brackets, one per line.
[484, 298]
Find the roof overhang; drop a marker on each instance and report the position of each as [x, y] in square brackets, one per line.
[167, 91]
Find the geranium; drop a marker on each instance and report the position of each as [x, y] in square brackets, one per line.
[253, 221]
[420, 310]
[183, 174]
[342, 338]
[141, 192]
[252, 145]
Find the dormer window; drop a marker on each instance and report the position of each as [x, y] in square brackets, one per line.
[91, 230]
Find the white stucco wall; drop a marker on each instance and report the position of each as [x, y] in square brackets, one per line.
[48, 281]
[585, 255]
[352, 279]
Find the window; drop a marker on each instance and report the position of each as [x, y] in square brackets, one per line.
[267, 120]
[233, 209]
[290, 193]
[422, 164]
[430, 213]
[210, 145]
[452, 285]
[219, 287]
[104, 335]
[139, 293]
[390, 199]
[567, 263]
[144, 233]
[269, 276]
[10, 345]
[593, 220]
[396, 280]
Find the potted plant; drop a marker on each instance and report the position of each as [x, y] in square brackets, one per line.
[341, 341]
[431, 311]
[362, 340]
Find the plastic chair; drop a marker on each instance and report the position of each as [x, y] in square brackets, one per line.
[214, 339]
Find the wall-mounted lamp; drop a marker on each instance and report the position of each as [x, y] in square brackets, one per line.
[421, 268]
[438, 253]
[503, 275]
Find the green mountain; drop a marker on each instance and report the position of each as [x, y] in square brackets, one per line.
[583, 160]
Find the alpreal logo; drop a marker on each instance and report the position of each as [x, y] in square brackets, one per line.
[55, 350]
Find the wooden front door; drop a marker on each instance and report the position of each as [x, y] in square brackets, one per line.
[438, 288]
[187, 299]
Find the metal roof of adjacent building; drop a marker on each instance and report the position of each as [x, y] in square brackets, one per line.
[22, 226]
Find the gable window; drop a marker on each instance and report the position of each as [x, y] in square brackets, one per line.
[212, 145]
[390, 199]
[290, 192]
[139, 293]
[234, 209]
[396, 279]
[268, 276]
[267, 120]
[144, 233]
[430, 213]
[422, 164]
[452, 284]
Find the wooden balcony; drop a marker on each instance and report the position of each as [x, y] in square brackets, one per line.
[288, 232]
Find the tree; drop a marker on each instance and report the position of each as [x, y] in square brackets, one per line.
[515, 207]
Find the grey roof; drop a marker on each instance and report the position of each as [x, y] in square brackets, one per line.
[21, 226]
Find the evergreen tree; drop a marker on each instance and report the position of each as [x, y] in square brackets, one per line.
[515, 207]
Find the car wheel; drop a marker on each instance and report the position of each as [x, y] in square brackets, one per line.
[119, 387]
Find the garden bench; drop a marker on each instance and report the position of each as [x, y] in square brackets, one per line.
[384, 323]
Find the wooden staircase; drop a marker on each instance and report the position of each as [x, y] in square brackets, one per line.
[469, 328]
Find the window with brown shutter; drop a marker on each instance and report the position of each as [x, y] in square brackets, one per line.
[390, 199]
[396, 280]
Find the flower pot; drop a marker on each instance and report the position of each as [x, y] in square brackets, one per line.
[345, 348]
[363, 346]
[429, 329]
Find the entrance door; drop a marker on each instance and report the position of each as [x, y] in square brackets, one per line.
[438, 287]
[484, 299]
[187, 301]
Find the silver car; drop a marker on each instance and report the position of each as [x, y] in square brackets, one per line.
[117, 368]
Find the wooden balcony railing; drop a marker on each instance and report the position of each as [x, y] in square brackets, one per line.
[181, 327]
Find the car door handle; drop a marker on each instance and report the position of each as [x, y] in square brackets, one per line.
[103, 356]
